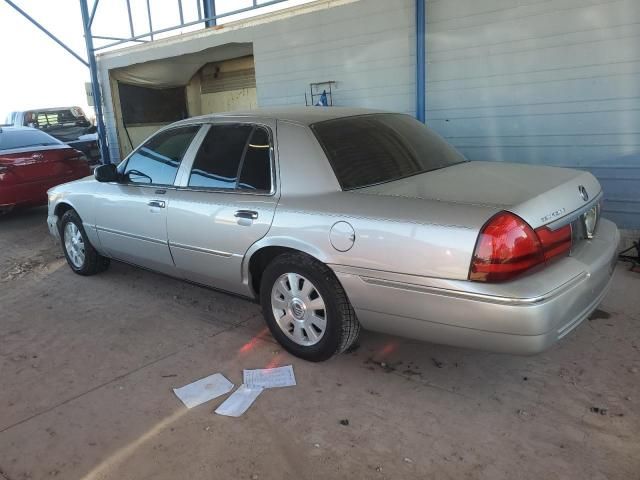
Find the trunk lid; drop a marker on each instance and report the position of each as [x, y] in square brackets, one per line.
[31, 172]
[538, 194]
[42, 164]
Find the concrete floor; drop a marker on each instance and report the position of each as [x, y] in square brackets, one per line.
[87, 366]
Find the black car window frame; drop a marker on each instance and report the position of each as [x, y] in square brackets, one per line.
[122, 166]
[236, 189]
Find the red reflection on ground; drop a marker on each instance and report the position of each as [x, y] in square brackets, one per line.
[275, 361]
[251, 344]
[389, 348]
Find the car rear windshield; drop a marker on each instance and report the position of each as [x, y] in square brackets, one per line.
[10, 139]
[66, 117]
[378, 148]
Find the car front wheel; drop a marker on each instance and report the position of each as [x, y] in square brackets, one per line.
[80, 254]
[306, 308]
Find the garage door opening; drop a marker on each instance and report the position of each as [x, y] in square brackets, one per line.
[151, 95]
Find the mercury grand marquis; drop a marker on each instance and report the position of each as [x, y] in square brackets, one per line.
[336, 219]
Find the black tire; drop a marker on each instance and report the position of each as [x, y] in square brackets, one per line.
[342, 326]
[93, 262]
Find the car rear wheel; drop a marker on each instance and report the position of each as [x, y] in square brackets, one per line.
[306, 308]
[80, 254]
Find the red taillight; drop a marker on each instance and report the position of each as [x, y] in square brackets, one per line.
[554, 242]
[507, 246]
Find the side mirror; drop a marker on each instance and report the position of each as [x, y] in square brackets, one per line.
[106, 173]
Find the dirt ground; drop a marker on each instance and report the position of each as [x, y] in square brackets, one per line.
[87, 366]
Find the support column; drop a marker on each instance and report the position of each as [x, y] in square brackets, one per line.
[95, 86]
[421, 58]
[209, 9]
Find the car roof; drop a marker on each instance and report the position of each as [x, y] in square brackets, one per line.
[51, 109]
[300, 115]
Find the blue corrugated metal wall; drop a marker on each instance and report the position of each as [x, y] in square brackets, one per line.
[538, 81]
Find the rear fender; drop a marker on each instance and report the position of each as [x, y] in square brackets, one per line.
[285, 242]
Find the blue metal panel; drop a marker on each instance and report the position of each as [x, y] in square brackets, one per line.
[517, 85]
[421, 73]
[209, 7]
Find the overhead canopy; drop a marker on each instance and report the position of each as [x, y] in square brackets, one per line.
[176, 71]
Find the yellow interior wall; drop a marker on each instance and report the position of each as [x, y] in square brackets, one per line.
[193, 96]
[197, 104]
[243, 99]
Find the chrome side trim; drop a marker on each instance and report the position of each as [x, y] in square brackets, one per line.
[225, 191]
[567, 219]
[201, 250]
[124, 234]
[476, 296]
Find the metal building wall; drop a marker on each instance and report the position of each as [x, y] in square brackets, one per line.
[554, 82]
[368, 47]
[538, 81]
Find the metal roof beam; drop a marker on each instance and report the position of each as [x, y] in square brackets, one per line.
[47, 32]
[93, 13]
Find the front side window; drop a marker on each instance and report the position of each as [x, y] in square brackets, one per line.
[157, 161]
[371, 149]
[233, 157]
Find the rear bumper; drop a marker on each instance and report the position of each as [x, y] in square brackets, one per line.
[523, 317]
[35, 193]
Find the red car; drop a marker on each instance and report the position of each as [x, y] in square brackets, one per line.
[31, 162]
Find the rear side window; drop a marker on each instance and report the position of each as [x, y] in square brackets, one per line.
[371, 149]
[255, 175]
[157, 161]
[233, 157]
[12, 139]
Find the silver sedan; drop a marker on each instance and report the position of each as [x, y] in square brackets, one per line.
[335, 219]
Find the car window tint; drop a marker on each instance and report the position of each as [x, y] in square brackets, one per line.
[157, 161]
[218, 160]
[370, 149]
[10, 139]
[58, 118]
[256, 167]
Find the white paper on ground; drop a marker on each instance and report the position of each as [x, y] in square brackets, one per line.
[203, 390]
[239, 401]
[270, 377]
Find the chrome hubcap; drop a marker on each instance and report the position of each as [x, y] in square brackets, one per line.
[74, 244]
[299, 309]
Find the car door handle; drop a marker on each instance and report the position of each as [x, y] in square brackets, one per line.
[250, 214]
[156, 203]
